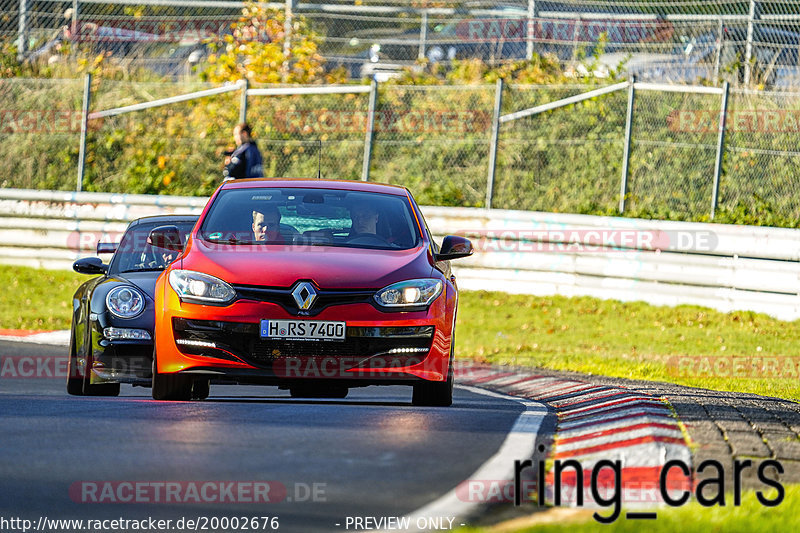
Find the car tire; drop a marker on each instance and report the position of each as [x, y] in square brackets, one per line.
[201, 388]
[311, 391]
[170, 387]
[81, 385]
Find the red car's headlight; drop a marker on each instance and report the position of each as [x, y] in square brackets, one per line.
[200, 288]
[410, 293]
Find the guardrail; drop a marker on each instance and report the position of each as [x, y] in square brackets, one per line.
[665, 263]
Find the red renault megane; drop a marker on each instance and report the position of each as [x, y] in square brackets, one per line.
[315, 286]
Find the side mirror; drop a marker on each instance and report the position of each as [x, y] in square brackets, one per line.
[167, 237]
[454, 247]
[90, 265]
[107, 247]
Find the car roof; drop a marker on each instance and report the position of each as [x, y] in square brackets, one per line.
[339, 185]
[165, 219]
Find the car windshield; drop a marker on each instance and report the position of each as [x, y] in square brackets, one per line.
[134, 254]
[308, 216]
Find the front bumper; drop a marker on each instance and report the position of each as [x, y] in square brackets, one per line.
[120, 360]
[379, 348]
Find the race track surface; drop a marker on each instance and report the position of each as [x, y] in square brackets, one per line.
[372, 454]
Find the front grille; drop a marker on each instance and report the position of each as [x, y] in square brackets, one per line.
[283, 297]
[403, 344]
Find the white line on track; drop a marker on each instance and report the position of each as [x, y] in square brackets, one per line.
[518, 445]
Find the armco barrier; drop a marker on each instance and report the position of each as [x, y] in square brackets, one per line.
[720, 266]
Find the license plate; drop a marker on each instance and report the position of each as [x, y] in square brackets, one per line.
[303, 330]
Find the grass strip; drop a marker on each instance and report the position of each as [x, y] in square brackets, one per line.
[36, 298]
[688, 345]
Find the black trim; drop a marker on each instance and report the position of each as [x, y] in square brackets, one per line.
[242, 342]
[283, 297]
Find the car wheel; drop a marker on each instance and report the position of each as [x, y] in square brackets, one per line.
[174, 387]
[79, 382]
[201, 389]
[311, 391]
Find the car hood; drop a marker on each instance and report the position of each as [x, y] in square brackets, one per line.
[328, 267]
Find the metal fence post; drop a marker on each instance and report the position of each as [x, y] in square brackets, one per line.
[287, 38]
[531, 30]
[423, 35]
[748, 51]
[243, 101]
[723, 120]
[74, 21]
[626, 155]
[22, 33]
[87, 94]
[373, 102]
[498, 106]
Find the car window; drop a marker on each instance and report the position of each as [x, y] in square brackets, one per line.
[134, 254]
[308, 216]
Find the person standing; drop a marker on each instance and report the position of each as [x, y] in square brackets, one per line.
[245, 160]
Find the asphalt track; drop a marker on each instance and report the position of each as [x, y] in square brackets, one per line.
[371, 455]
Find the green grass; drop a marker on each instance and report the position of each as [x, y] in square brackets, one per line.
[36, 299]
[629, 340]
[750, 517]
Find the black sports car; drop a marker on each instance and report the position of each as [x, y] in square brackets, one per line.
[113, 314]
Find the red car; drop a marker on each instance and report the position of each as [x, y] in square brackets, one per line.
[315, 286]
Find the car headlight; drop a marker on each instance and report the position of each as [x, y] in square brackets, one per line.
[200, 287]
[125, 301]
[411, 293]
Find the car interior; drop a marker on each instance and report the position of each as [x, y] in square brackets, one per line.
[312, 218]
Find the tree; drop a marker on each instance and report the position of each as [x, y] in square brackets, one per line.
[255, 49]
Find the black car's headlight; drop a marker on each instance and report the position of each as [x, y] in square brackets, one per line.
[411, 293]
[125, 301]
[200, 287]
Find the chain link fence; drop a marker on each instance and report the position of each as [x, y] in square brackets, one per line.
[745, 42]
[763, 156]
[569, 156]
[567, 160]
[434, 140]
[40, 125]
[671, 165]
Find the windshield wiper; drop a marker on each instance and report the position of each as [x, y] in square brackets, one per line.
[152, 269]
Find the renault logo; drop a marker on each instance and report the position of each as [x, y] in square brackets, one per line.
[304, 295]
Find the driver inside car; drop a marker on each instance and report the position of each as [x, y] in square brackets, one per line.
[365, 220]
[266, 225]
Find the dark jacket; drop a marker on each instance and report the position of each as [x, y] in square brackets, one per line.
[245, 162]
